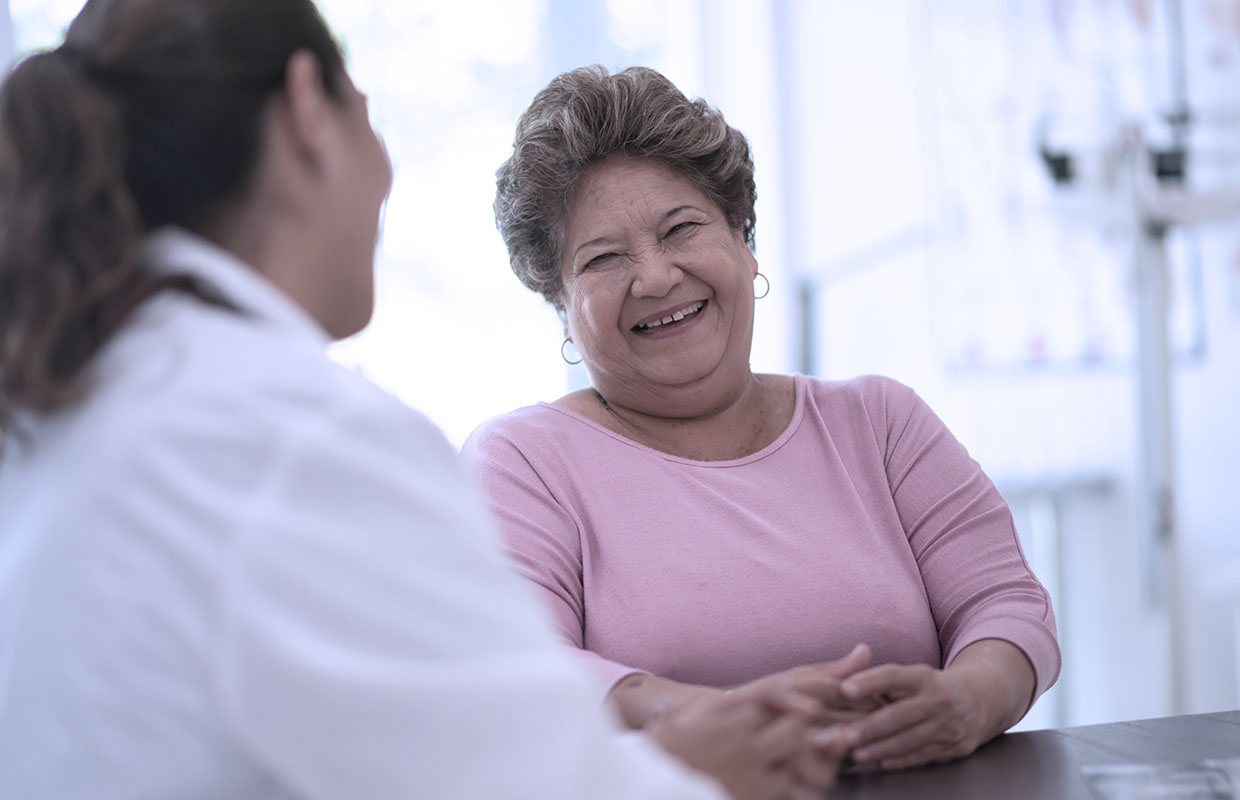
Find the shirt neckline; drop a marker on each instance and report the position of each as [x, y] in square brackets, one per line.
[799, 392]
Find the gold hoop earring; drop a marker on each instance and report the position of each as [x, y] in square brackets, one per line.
[765, 291]
[564, 355]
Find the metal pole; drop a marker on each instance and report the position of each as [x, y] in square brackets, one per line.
[1177, 75]
[1156, 490]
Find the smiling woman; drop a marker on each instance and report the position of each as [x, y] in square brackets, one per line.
[695, 526]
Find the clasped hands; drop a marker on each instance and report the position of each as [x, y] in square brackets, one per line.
[786, 735]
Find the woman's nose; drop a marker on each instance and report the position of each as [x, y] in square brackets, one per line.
[655, 274]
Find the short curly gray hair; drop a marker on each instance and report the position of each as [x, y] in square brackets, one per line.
[587, 115]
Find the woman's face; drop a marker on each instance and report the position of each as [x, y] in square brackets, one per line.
[658, 288]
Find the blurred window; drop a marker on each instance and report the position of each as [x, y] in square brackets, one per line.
[454, 332]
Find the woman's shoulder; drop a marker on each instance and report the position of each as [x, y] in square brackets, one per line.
[873, 406]
[528, 429]
[862, 391]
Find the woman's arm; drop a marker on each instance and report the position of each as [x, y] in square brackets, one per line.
[541, 530]
[962, 535]
[1001, 678]
[994, 620]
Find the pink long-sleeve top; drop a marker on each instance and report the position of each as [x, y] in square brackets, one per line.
[865, 521]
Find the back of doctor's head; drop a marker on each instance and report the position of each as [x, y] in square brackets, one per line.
[149, 114]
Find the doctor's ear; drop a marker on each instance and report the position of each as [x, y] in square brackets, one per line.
[309, 112]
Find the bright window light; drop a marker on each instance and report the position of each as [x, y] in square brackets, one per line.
[454, 333]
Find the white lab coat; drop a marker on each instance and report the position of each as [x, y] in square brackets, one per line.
[238, 570]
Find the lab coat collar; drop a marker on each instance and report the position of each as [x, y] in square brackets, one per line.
[174, 249]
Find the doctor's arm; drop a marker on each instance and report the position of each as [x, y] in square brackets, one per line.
[374, 642]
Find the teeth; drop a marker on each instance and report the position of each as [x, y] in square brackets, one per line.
[676, 316]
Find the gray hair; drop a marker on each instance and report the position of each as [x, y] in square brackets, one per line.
[587, 115]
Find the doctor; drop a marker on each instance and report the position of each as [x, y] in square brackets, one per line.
[229, 567]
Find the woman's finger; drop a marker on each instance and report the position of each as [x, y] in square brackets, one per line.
[795, 702]
[890, 680]
[773, 698]
[850, 664]
[828, 715]
[819, 761]
[891, 719]
[780, 740]
[901, 743]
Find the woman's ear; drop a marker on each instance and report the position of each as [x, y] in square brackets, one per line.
[309, 112]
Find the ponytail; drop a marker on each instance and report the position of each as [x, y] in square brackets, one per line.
[70, 232]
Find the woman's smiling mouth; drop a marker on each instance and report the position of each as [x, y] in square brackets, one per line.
[676, 317]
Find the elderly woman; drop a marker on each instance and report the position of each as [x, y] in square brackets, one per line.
[695, 526]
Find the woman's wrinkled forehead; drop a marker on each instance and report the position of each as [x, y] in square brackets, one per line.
[623, 186]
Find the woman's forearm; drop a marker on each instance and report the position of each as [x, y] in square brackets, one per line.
[639, 699]
[1002, 677]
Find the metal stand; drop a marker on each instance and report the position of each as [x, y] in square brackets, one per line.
[1156, 515]
[1154, 210]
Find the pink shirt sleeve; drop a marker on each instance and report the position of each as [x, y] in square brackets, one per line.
[962, 535]
[543, 537]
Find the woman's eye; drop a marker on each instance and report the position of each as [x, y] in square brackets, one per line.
[597, 260]
[680, 226]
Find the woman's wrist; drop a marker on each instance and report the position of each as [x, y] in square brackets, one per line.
[640, 698]
[1001, 677]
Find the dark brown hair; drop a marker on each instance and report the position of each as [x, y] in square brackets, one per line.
[586, 116]
[149, 114]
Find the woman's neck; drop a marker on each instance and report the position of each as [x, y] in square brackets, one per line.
[738, 426]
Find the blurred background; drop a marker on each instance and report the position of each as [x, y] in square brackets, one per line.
[1025, 209]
